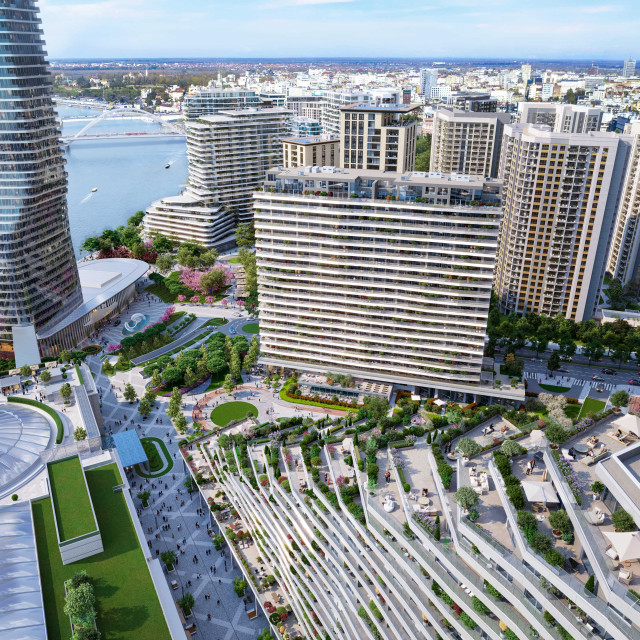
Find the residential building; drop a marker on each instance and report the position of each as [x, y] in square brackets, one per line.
[39, 281]
[207, 101]
[440, 92]
[472, 101]
[357, 558]
[559, 204]
[525, 71]
[467, 142]
[333, 101]
[629, 68]
[306, 127]
[270, 99]
[228, 155]
[385, 276]
[379, 136]
[305, 106]
[428, 80]
[562, 118]
[624, 255]
[318, 151]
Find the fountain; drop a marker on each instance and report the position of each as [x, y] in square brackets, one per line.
[137, 321]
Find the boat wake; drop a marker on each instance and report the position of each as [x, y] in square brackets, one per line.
[86, 198]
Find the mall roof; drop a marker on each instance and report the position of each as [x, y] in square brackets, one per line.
[129, 448]
[21, 605]
[100, 281]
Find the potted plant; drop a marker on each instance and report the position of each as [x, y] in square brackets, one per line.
[186, 604]
[597, 487]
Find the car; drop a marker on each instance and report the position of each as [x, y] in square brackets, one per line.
[232, 331]
[597, 378]
[635, 383]
[116, 323]
[566, 358]
[600, 389]
[609, 372]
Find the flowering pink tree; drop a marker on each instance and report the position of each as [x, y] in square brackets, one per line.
[247, 431]
[331, 449]
[194, 299]
[168, 312]
[113, 347]
[288, 459]
[210, 299]
[240, 303]
[148, 244]
[181, 298]
[340, 481]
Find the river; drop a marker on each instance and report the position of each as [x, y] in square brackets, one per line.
[129, 174]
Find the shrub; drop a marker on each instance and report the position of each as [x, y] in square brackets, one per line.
[597, 487]
[466, 497]
[469, 447]
[560, 520]
[622, 520]
[479, 606]
[556, 434]
[492, 591]
[548, 617]
[591, 583]
[316, 462]
[406, 486]
[473, 515]
[554, 558]
[511, 448]
[516, 496]
[541, 543]
[375, 610]
[14, 496]
[467, 620]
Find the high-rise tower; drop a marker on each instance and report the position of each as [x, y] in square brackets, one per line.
[38, 273]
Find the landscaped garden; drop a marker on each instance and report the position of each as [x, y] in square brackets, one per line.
[126, 601]
[70, 499]
[554, 389]
[157, 458]
[224, 413]
[591, 405]
[252, 327]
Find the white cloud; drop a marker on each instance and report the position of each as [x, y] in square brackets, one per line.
[603, 8]
[280, 4]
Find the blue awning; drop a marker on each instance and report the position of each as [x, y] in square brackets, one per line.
[129, 448]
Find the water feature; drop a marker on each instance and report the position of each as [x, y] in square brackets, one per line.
[128, 174]
[137, 321]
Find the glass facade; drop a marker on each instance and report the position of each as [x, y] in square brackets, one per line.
[38, 274]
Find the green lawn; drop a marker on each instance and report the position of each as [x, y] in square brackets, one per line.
[554, 389]
[224, 413]
[126, 601]
[234, 260]
[70, 499]
[572, 410]
[591, 405]
[155, 473]
[159, 290]
[252, 327]
[215, 322]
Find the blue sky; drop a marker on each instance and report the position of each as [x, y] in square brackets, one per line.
[307, 28]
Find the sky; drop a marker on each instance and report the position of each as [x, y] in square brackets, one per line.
[518, 29]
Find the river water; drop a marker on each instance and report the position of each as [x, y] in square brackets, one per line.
[129, 174]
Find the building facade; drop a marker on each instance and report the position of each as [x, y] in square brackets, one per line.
[318, 151]
[379, 137]
[560, 197]
[333, 101]
[428, 79]
[306, 127]
[228, 155]
[624, 255]
[207, 101]
[38, 274]
[383, 276]
[473, 101]
[629, 68]
[562, 118]
[467, 142]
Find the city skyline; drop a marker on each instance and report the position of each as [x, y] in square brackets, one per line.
[268, 28]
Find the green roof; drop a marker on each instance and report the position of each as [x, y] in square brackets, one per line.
[71, 499]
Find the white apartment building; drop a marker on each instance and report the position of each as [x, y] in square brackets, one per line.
[440, 92]
[379, 136]
[333, 101]
[311, 151]
[305, 106]
[562, 118]
[559, 204]
[467, 142]
[228, 155]
[624, 255]
[473, 101]
[358, 559]
[428, 80]
[207, 101]
[629, 68]
[380, 275]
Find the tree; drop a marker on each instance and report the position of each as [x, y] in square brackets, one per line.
[45, 376]
[469, 447]
[190, 377]
[156, 379]
[136, 219]
[619, 398]
[235, 365]
[553, 364]
[239, 586]
[79, 604]
[511, 448]
[162, 244]
[186, 603]
[566, 346]
[570, 97]
[252, 355]
[180, 423]
[245, 235]
[593, 350]
[423, 153]
[65, 391]
[25, 370]
[169, 558]
[623, 521]
[165, 262]
[144, 496]
[539, 343]
[129, 393]
[265, 635]
[172, 375]
[213, 280]
[150, 395]
[86, 633]
[228, 385]
[466, 497]
[621, 353]
[216, 365]
[144, 408]
[64, 355]
[376, 407]
[79, 433]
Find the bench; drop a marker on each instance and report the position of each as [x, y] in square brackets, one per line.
[588, 460]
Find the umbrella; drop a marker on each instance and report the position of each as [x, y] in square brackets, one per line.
[629, 423]
[540, 491]
[627, 545]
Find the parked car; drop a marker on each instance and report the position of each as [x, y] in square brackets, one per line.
[609, 372]
[597, 378]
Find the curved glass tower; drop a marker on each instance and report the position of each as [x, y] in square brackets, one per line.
[38, 274]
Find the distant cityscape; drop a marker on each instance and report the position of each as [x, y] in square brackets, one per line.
[372, 373]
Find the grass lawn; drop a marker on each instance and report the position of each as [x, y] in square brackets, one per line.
[311, 403]
[215, 322]
[80, 378]
[554, 388]
[572, 410]
[147, 443]
[224, 413]
[70, 499]
[252, 327]
[159, 290]
[126, 601]
[234, 260]
[591, 405]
